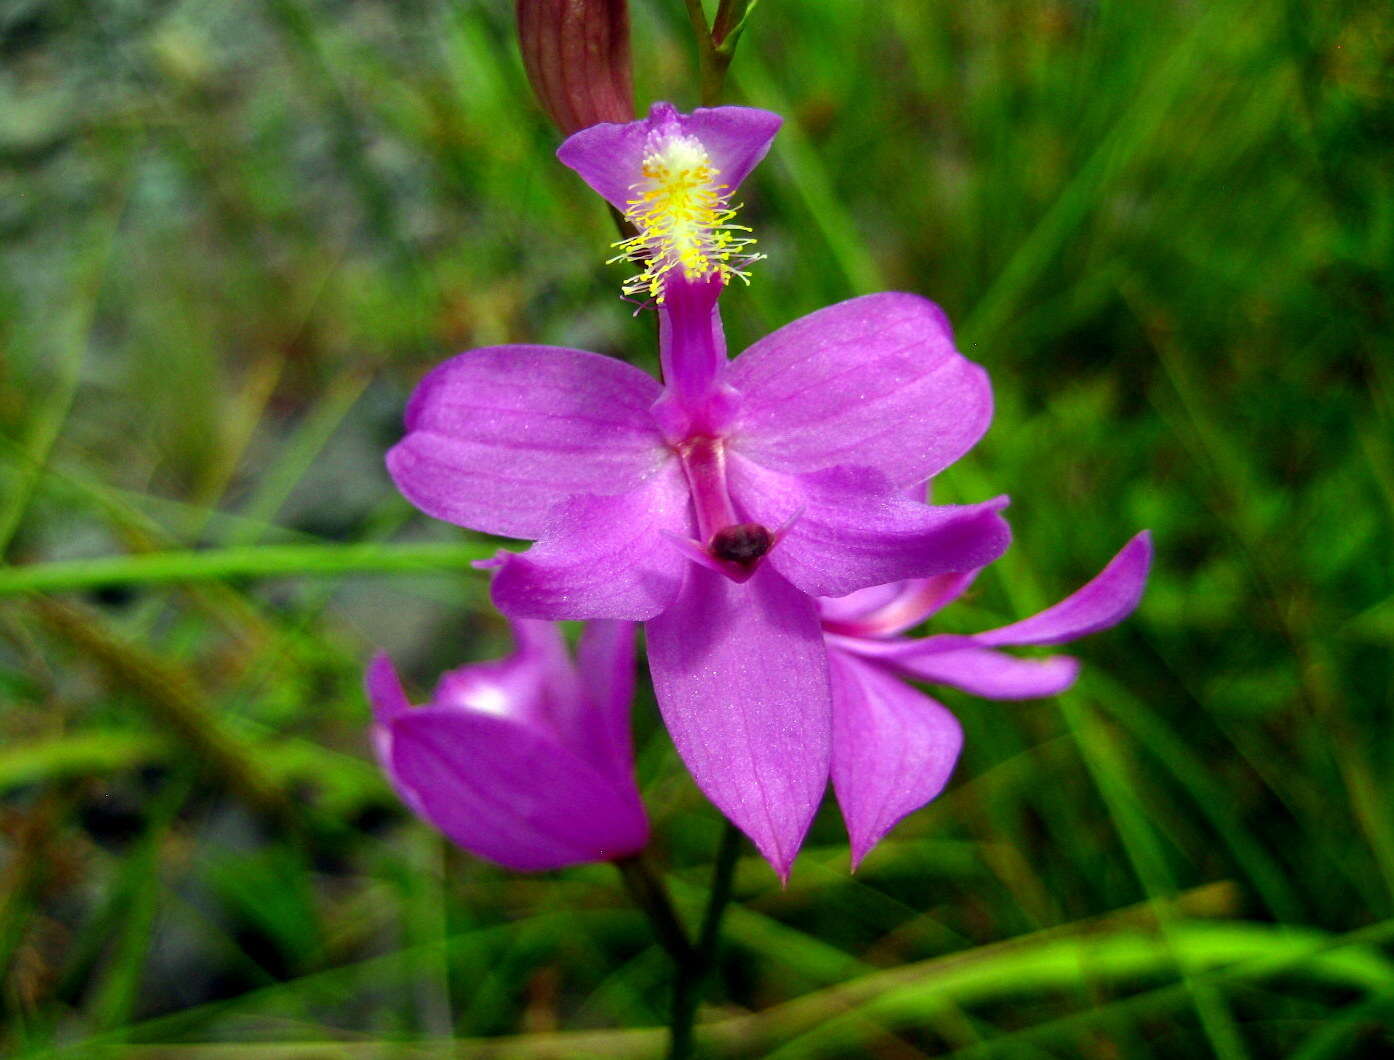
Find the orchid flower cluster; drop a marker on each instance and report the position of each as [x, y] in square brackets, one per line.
[764, 517]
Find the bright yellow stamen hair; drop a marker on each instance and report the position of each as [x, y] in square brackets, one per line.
[684, 220]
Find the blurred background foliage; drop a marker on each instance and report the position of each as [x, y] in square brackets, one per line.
[233, 235]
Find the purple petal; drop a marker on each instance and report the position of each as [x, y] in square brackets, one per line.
[508, 793]
[736, 138]
[605, 660]
[741, 678]
[851, 529]
[893, 749]
[610, 157]
[979, 671]
[603, 557]
[874, 381]
[1103, 602]
[497, 436]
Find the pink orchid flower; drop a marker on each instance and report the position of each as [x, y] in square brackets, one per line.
[718, 506]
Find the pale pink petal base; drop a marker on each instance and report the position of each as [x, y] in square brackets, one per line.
[891, 609]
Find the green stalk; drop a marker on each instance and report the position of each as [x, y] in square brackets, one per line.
[710, 73]
[716, 44]
[650, 894]
[693, 973]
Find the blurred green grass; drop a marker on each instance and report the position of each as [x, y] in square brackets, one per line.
[232, 236]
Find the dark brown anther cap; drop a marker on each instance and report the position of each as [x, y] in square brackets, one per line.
[743, 543]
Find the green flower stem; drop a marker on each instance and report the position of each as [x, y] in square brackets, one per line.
[711, 61]
[717, 44]
[647, 889]
[261, 561]
[692, 974]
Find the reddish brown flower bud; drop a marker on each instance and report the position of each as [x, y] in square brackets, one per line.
[576, 53]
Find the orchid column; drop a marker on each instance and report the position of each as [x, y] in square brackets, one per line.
[718, 506]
